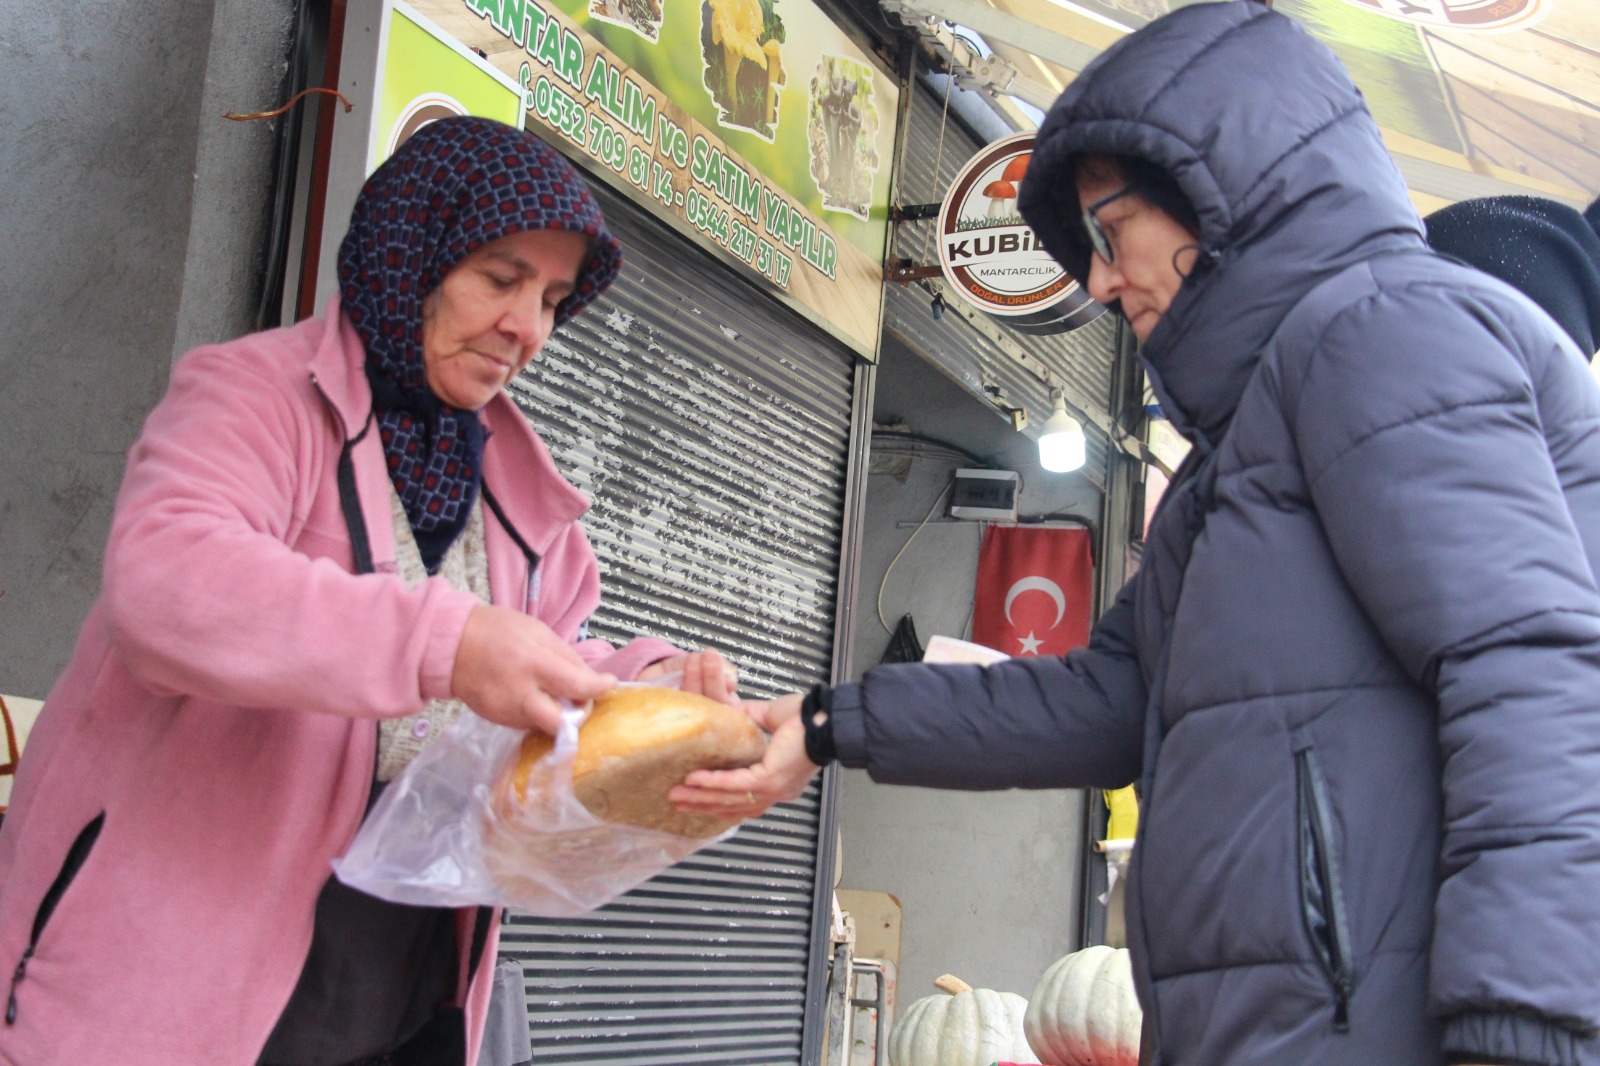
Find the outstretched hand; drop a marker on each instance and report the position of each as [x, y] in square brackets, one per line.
[515, 671]
[782, 774]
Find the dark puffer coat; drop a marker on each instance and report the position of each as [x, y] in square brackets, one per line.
[1359, 671]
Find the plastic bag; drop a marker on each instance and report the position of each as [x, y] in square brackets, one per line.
[435, 839]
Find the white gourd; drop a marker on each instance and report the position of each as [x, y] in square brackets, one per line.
[963, 1026]
[1084, 1012]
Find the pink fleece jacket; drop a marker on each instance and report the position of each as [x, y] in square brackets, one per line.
[221, 705]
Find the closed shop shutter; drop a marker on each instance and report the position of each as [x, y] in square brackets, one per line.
[1083, 359]
[711, 429]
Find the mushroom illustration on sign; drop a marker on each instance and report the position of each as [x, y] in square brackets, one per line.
[641, 16]
[736, 26]
[842, 132]
[999, 193]
[1016, 169]
[776, 78]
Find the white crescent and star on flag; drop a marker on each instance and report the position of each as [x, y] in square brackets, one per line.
[1030, 643]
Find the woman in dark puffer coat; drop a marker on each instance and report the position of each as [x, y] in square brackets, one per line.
[1359, 672]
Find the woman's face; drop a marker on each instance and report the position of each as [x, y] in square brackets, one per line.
[1152, 253]
[493, 312]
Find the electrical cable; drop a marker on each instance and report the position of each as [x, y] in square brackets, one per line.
[955, 449]
[1055, 516]
[918, 451]
[890, 568]
[285, 161]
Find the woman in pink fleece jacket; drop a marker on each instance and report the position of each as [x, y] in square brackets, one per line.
[331, 540]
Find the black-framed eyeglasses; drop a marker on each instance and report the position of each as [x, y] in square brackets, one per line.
[1091, 225]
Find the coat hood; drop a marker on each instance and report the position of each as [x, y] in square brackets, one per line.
[1273, 145]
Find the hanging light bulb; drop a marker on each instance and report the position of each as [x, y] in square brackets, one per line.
[1062, 447]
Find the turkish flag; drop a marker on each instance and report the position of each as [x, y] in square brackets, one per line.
[1035, 587]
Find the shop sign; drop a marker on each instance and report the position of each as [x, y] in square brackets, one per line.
[993, 259]
[1460, 14]
[757, 126]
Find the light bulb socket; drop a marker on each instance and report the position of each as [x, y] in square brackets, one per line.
[1062, 446]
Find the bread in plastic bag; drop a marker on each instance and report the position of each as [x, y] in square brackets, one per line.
[443, 833]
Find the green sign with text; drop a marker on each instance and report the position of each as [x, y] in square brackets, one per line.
[756, 124]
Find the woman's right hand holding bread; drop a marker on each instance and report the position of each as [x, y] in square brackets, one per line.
[515, 671]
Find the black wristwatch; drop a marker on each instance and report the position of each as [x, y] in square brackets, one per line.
[815, 713]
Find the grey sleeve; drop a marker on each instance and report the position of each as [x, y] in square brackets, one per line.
[1024, 723]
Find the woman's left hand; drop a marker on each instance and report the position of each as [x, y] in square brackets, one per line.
[705, 672]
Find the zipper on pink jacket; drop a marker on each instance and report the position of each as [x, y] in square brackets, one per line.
[528, 553]
[349, 498]
[356, 523]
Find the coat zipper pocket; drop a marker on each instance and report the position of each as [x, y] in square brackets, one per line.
[1321, 898]
[77, 855]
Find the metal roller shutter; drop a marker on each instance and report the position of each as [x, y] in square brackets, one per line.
[1083, 358]
[711, 429]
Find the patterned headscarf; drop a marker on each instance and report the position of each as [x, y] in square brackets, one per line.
[454, 186]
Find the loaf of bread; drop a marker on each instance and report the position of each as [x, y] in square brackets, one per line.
[637, 744]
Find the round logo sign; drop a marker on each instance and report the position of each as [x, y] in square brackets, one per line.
[1460, 14]
[993, 258]
[429, 107]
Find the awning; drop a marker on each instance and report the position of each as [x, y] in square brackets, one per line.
[1475, 97]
